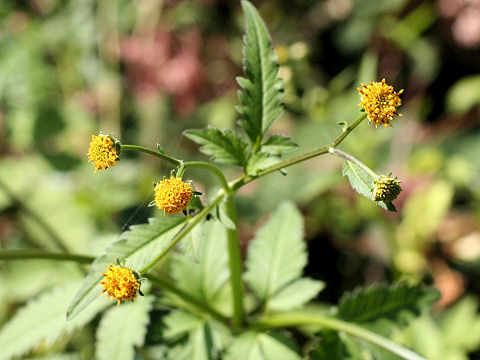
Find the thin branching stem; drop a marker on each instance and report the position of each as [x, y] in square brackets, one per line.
[161, 155]
[47, 255]
[353, 159]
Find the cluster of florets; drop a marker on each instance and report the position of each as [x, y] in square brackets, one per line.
[173, 195]
[380, 102]
[103, 152]
[120, 283]
[386, 189]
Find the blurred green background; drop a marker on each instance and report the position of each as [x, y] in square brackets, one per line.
[145, 70]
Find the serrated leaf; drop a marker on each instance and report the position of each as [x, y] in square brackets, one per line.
[384, 307]
[204, 279]
[277, 254]
[224, 147]
[363, 183]
[296, 294]
[260, 346]
[262, 89]
[132, 319]
[42, 320]
[140, 245]
[260, 161]
[278, 144]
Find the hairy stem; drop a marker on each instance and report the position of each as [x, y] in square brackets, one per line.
[201, 305]
[299, 319]
[161, 155]
[352, 159]
[300, 158]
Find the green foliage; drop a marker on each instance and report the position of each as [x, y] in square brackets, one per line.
[224, 147]
[362, 182]
[42, 320]
[278, 144]
[123, 328]
[205, 276]
[275, 261]
[450, 336]
[203, 340]
[138, 247]
[384, 307]
[261, 346]
[262, 90]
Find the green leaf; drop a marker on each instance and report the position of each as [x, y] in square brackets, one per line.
[224, 147]
[260, 161]
[179, 323]
[296, 294]
[278, 144]
[262, 89]
[204, 338]
[362, 183]
[140, 245]
[277, 254]
[42, 320]
[384, 307]
[132, 320]
[204, 279]
[261, 346]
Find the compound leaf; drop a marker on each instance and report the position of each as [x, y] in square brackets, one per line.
[224, 147]
[262, 89]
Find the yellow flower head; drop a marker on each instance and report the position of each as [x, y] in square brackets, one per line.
[380, 102]
[386, 189]
[173, 195]
[102, 152]
[120, 283]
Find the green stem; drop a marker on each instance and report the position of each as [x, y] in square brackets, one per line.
[184, 231]
[235, 263]
[300, 158]
[170, 287]
[39, 254]
[163, 156]
[299, 319]
[353, 159]
[215, 170]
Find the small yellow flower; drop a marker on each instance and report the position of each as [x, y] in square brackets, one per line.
[120, 283]
[380, 102]
[386, 189]
[173, 195]
[102, 152]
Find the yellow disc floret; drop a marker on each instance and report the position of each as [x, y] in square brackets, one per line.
[120, 283]
[102, 152]
[173, 195]
[380, 102]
